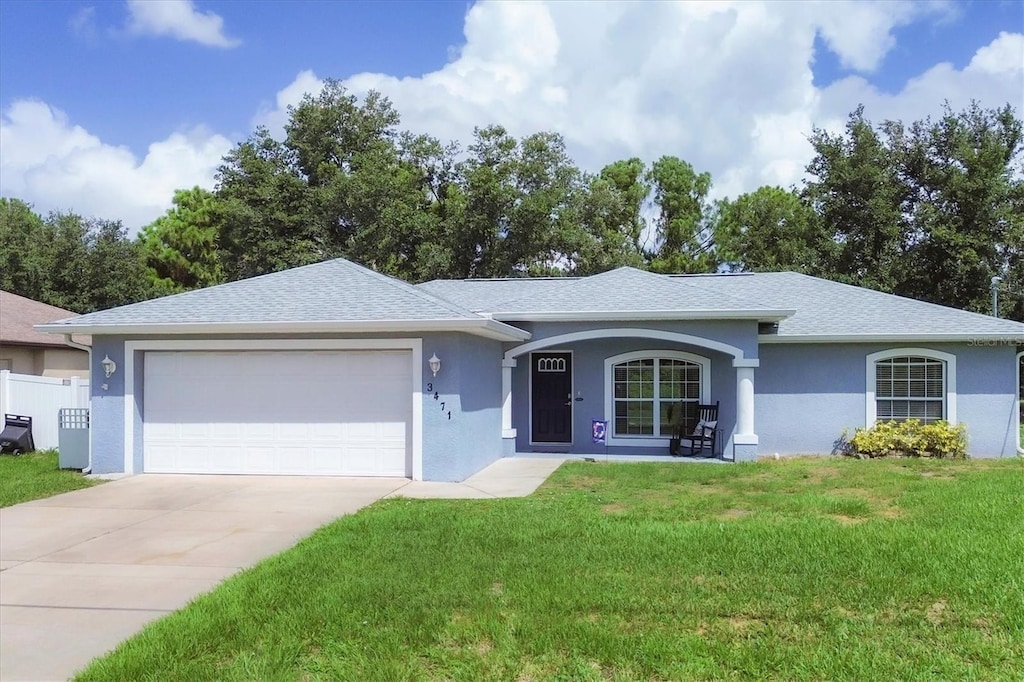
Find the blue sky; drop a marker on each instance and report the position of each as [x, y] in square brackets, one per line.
[88, 88]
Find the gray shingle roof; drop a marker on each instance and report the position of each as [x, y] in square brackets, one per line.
[826, 308]
[628, 289]
[339, 293]
[823, 308]
[484, 295]
[334, 290]
[622, 289]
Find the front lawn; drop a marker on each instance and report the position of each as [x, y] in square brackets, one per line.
[808, 569]
[35, 475]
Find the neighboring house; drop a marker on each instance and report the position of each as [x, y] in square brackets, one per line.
[326, 369]
[23, 350]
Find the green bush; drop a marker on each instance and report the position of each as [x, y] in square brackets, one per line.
[910, 438]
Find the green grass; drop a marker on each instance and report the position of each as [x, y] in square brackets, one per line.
[808, 569]
[34, 476]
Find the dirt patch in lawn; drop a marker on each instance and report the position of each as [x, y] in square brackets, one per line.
[936, 613]
[733, 514]
[845, 520]
[742, 624]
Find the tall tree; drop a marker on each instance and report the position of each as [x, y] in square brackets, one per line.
[965, 196]
[269, 223]
[771, 229]
[684, 235]
[180, 248]
[24, 263]
[544, 229]
[610, 218]
[931, 210]
[488, 186]
[115, 273]
[81, 264]
[858, 197]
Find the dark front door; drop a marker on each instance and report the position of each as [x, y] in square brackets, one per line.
[551, 397]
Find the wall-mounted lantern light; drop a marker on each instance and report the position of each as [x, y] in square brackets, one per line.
[109, 366]
[435, 364]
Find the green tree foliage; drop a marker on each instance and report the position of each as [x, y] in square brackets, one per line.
[180, 248]
[771, 230]
[858, 197]
[268, 211]
[610, 218]
[931, 210]
[684, 234]
[24, 266]
[965, 200]
[69, 261]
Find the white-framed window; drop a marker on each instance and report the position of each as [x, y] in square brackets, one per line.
[640, 387]
[911, 383]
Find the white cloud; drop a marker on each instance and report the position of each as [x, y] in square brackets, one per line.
[83, 23]
[274, 118]
[726, 86]
[178, 19]
[55, 165]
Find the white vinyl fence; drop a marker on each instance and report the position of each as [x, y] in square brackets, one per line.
[41, 398]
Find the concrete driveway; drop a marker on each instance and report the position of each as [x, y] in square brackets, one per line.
[82, 571]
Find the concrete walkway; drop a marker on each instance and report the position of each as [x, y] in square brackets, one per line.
[82, 571]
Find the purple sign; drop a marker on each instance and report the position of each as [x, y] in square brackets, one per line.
[600, 428]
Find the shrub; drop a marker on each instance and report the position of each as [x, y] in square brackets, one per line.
[910, 438]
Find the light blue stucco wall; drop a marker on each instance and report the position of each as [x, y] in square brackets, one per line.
[469, 384]
[589, 378]
[106, 416]
[806, 395]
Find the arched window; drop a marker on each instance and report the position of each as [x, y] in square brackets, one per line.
[911, 383]
[642, 386]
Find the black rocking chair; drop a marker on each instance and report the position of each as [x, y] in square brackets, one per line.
[705, 433]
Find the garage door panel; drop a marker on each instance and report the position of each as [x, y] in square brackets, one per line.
[278, 412]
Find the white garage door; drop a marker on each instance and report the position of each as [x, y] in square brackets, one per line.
[278, 412]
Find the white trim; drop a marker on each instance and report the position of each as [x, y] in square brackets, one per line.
[745, 439]
[572, 403]
[753, 363]
[1016, 406]
[612, 333]
[609, 391]
[506, 399]
[763, 314]
[412, 344]
[485, 327]
[1006, 337]
[949, 395]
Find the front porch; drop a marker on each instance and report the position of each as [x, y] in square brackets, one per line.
[556, 386]
[622, 458]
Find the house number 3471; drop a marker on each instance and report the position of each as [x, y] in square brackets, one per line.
[430, 387]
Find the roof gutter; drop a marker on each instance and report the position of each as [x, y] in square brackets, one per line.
[484, 327]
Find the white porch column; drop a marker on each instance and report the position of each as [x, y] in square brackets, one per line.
[745, 439]
[506, 398]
